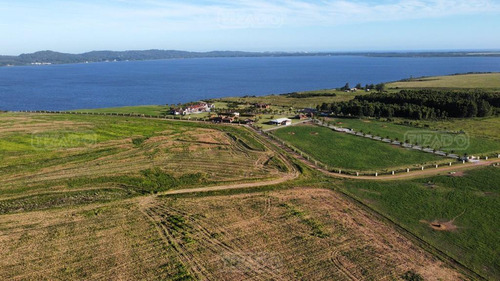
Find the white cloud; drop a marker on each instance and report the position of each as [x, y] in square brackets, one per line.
[211, 24]
[186, 15]
[263, 14]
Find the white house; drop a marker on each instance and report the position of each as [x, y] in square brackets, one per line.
[281, 122]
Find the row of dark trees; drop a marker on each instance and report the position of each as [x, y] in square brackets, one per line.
[309, 95]
[419, 104]
[379, 87]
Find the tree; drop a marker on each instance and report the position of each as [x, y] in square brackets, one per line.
[346, 87]
[472, 109]
[380, 87]
[358, 86]
[484, 109]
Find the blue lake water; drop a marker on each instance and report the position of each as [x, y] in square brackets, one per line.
[95, 85]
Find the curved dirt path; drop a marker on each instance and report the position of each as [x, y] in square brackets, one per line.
[409, 175]
[292, 174]
[286, 178]
[398, 176]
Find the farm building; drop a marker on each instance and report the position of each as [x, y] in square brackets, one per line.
[281, 122]
[261, 105]
[301, 116]
[222, 119]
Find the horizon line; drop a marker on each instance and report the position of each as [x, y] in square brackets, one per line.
[276, 52]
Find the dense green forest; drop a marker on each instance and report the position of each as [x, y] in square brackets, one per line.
[419, 104]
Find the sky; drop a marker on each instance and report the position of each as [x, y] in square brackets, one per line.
[77, 26]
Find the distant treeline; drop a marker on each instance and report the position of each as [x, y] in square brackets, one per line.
[309, 95]
[50, 57]
[419, 104]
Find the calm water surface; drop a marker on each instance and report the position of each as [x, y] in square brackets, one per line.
[78, 86]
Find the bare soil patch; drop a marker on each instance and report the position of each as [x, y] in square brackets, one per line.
[314, 133]
[430, 185]
[457, 174]
[441, 225]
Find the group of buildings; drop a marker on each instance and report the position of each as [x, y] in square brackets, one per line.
[231, 117]
[193, 109]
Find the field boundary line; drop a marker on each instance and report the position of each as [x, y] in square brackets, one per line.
[426, 246]
[429, 169]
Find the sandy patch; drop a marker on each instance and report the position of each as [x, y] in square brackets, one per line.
[457, 174]
[441, 225]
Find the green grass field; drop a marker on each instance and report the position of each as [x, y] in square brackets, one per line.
[141, 109]
[483, 134]
[486, 128]
[471, 201]
[306, 102]
[57, 160]
[487, 81]
[339, 150]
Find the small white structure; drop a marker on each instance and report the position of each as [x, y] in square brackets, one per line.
[343, 130]
[281, 122]
[472, 159]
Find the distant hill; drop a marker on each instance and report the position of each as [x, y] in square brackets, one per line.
[51, 57]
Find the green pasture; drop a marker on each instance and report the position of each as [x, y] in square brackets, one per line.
[471, 136]
[486, 81]
[471, 200]
[340, 150]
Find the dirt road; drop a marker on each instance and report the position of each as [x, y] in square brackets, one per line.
[286, 178]
[413, 174]
[294, 174]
